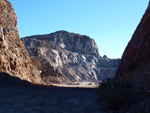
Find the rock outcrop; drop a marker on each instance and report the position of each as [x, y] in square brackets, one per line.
[14, 59]
[136, 57]
[135, 62]
[68, 57]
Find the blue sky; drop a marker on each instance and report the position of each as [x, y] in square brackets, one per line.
[111, 23]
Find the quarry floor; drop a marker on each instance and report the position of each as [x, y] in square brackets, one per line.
[40, 99]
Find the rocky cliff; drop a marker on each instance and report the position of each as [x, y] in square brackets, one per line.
[135, 62]
[14, 58]
[136, 57]
[68, 57]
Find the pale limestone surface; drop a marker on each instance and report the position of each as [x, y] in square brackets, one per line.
[65, 57]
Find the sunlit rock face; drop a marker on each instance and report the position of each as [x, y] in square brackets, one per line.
[14, 58]
[68, 57]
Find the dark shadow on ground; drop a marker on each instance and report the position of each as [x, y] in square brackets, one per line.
[40, 99]
[17, 96]
[6, 79]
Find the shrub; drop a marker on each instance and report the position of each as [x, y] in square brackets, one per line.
[116, 95]
[19, 45]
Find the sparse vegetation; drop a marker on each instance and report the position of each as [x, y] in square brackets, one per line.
[116, 95]
[19, 45]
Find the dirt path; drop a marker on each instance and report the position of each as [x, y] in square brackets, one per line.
[47, 100]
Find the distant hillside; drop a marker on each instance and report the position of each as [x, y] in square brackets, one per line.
[68, 57]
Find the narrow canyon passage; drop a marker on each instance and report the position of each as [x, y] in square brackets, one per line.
[24, 99]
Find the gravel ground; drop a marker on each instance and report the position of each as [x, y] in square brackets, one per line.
[38, 99]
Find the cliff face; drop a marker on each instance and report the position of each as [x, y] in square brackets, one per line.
[68, 57]
[14, 58]
[135, 62]
[136, 57]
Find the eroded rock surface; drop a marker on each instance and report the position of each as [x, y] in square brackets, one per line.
[136, 57]
[135, 63]
[14, 58]
[68, 57]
